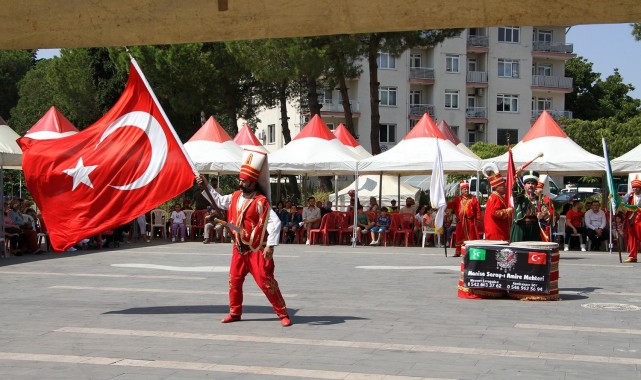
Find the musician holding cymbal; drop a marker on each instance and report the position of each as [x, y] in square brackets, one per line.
[530, 214]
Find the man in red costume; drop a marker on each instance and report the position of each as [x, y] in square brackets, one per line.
[497, 213]
[634, 221]
[546, 202]
[256, 236]
[468, 215]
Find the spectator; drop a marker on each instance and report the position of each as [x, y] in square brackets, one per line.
[177, 221]
[327, 208]
[373, 205]
[382, 224]
[363, 224]
[393, 207]
[410, 206]
[595, 225]
[574, 225]
[292, 222]
[13, 230]
[618, 232]
[28, 240]
[210, 223]
[311, 217]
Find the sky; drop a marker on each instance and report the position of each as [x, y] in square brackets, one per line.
[607, 46]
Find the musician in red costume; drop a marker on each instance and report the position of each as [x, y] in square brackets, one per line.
[468, 214]
[545, 201]
[633, 221]
[257, 235]
[498, 214]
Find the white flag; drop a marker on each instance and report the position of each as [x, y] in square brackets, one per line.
[437, 190]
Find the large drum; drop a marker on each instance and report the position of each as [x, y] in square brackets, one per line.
[553, 294]
[471, 293]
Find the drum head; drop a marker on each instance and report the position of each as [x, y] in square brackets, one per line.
[536, 245]
[486, 242]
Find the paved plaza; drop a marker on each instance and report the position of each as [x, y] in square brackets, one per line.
[152, 311]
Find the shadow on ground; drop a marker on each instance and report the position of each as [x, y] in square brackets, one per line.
[248, 311]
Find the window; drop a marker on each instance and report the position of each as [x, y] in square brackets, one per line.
[387, 133]
[544, 69]
[387, 96]
[508, 68]
[413, 124]
[330, 126]
[471, 101]
[325, 97]
[271, 134]
[385, 61]
[452, 63]
[544, 36]
[543, 104]
[415, 97]
[454, 129]
[471, 64]
[451, 99]
[507, 103]
[509, 34]
[471, 136]
[503, 135]
[415, 61]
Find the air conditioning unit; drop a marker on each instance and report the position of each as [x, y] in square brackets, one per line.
[479, 91]
[480, 128]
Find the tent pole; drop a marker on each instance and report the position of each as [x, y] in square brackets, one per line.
[278, 187]
[380, 191]
[398, 192]
[336, 191]
[355, 209]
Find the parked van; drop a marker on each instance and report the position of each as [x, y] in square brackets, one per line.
[550, 188]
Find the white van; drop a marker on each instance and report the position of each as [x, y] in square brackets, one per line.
[550, 188]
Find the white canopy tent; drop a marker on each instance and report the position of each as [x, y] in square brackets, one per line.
[52, 125]
[561, 155]
[416, 154]
[370, 186]
[10, 152]
[245, 138]
[628, 163]
[449, 134]
[350, 142]
[315, 151]
[213, 151]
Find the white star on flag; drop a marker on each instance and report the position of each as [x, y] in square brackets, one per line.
[80, 174]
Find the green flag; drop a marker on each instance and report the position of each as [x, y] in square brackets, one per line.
[477, 254]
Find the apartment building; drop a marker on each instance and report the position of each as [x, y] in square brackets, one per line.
[488, 84]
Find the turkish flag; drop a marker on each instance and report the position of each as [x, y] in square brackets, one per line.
[119, 168]
[537, 258]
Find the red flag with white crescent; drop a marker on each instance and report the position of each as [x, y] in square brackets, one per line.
[122, 166]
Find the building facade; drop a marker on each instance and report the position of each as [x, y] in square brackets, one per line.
[488, 84]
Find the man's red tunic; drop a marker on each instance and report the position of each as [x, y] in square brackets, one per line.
[468, 213]
[497, 218]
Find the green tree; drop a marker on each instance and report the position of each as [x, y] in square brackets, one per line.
[636, 31]
[13, 67]
[394, 44]
[35, 97]
[594, 98]
[485, 150]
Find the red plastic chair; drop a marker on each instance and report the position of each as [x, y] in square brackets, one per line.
[198, 223]
[344, 222]
[389, 234]
[327, 226]
[405, 223]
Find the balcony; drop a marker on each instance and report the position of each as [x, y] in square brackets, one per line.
[549, 82]
[418, 110]
[477, 77]
[336, 107]
[552, 49]
[421, 75]
[478, 43]
[476, 113]
[556, 114]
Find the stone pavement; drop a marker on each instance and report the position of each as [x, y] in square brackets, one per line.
[152, 311]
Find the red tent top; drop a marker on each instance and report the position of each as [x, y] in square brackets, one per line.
[245, 136]
[316, 128]
[344, 136]
[545, 126]
[425, 128]
[211, 131]
[53, 121]
[447, 132]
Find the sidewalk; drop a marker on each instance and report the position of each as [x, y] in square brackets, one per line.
[152, 311]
